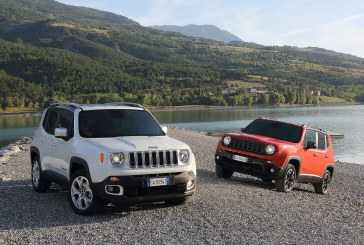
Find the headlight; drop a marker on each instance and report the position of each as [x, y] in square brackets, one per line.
[226, 140]
[270, 149]
[117, 158]
[184, 156]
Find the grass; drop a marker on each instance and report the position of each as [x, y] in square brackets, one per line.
[244, 84]
[14, 110]
[332, 100]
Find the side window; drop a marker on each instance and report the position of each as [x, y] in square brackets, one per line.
[51, 121]
[65, 120]
[310, 137]
[321, 141]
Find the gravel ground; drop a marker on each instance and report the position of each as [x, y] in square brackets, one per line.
[238, 211]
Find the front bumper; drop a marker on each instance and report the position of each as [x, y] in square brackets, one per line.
[256, 167]
[136, 190]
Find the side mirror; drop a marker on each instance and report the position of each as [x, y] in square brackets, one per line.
[61, 133]
[242, 130]
[165, 129]
[311, 145]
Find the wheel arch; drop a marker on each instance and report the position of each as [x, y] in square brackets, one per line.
[76, 164]
[34, 152]
[296, 162]
[331, 169]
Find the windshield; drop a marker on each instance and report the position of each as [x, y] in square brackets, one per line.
[273, 129]
[116, 123]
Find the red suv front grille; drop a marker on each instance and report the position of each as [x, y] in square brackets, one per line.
[249, 146]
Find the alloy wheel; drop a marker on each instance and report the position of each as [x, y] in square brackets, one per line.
[35, 173]
[289, 179]
[81, 193]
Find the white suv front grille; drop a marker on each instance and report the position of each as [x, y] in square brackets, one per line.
[153, 159]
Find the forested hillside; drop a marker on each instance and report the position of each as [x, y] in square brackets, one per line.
[51, 51]
[202, 31]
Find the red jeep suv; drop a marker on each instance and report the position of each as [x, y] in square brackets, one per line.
[279, 151]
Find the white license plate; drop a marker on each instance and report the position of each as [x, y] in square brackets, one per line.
[240, 158]
[153, 182]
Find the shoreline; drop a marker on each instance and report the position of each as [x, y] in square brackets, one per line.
[206, 107]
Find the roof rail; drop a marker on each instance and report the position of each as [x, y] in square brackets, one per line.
[126, 104]
[73, 105]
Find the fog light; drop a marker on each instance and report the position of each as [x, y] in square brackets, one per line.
[272, 170]
[115, 190]
[190, 185]
[217, 157]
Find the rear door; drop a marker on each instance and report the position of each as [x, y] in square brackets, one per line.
[321, 154]
[309, 159]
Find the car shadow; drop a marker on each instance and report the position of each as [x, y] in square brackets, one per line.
[209, 177]
[21, 207]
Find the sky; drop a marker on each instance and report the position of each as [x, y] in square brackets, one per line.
[332, 24]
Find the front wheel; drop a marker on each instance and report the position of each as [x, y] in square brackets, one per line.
[39, 182]
[287, 180]
[323, 186]
[81, 196]
[222, 172]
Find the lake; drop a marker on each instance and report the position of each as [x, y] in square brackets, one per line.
[347, 120]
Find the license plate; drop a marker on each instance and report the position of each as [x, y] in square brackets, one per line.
[153, 182]
[240, 158]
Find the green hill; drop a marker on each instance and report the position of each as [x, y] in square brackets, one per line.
[55, 51]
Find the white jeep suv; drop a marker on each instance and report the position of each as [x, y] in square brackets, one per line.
[112, 153]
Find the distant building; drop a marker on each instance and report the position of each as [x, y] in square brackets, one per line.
[257, 91]
[318, 93]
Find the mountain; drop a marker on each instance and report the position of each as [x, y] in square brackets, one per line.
[201, 31]
[50, 50]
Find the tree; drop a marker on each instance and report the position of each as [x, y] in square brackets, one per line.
[4, 102]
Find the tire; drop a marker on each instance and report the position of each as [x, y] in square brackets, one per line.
[39, 182]
[177, 201]
[322, 187]
[287, 180]
[81, 195]
[222, 172]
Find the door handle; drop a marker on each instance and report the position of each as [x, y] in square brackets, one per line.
[314, 154]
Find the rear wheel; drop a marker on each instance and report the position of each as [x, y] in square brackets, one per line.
[81, 196]
[222, 172]
[287, 180]
[39, 182]
[322, 187]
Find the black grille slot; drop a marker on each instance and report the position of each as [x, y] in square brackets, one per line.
[140, 159]
[146, 159]
[168, 158]
[132, 160]
[154, 158]
[250, 146]
[175, 160]
[161, 158]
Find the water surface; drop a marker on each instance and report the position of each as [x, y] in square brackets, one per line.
[347, 120]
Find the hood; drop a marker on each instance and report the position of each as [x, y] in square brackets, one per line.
[259, 138]
[138, 143]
